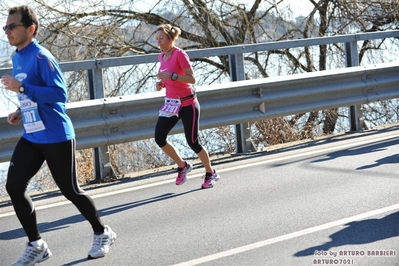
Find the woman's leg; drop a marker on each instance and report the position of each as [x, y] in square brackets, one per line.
[204, 157]
[163, 127]
[190, 118]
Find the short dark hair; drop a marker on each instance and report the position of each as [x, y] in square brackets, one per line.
[29, 16]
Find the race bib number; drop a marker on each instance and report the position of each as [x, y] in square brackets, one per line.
[171, 107]
[30, 116]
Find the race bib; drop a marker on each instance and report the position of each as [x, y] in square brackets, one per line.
[30, 115]
[170, 108]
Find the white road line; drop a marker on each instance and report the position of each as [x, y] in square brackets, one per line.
[271, 241]
[266, 161]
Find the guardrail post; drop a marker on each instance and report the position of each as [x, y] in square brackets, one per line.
[244, 142]
[102, 164]
[356, 118]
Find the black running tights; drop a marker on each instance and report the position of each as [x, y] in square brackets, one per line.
[60, 157]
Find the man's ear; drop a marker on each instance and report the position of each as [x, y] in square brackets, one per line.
[32, 29]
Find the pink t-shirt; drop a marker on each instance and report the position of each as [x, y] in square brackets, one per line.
[177, 62]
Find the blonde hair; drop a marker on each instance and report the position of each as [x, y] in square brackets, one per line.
[171, 31]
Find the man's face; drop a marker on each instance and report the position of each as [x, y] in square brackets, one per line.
[19, 36]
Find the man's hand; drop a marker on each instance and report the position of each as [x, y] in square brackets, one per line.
[15, 118]
[11, 83]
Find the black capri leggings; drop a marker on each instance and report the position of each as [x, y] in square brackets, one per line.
[189, 115]
[26, 160]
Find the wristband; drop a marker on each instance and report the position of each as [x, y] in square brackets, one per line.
[174, 76]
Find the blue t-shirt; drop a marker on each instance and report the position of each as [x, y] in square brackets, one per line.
[43, 102]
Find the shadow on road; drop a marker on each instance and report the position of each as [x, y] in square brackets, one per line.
[130, 205]
[380, 146]
[75, 262]
[393, 159]
[359, 232]
[63, 223]
[363, 150]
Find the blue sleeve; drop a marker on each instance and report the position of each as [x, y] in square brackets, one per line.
[50, 85]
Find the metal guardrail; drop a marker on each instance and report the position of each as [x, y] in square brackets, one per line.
[228, 50]
[102, 122]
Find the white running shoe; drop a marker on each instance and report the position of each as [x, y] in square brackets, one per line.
[34, 255]
[101, 243]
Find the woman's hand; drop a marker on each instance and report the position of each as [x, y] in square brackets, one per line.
[164, 75]
[160, 85]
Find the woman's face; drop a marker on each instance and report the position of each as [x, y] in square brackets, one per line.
[163, 41]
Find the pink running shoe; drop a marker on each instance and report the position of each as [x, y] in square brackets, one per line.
[210, 179]
[182, 173]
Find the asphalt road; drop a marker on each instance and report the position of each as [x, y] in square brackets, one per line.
[333, 201]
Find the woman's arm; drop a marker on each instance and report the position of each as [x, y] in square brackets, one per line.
[189, 76]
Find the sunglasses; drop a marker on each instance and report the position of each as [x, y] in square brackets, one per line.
[11, 26]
